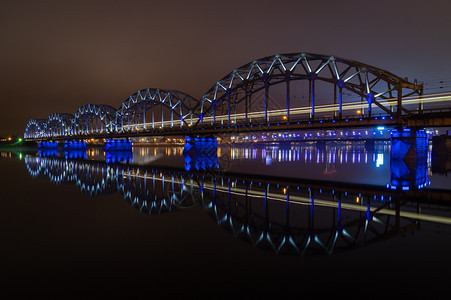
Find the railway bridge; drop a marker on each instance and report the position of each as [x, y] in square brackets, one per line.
[296, 91]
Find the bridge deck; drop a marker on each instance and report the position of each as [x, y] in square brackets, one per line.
[441, 118]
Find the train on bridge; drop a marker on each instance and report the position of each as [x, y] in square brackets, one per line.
[287, 92]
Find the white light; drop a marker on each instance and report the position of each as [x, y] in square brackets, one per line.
[380, 128]
[380, 160]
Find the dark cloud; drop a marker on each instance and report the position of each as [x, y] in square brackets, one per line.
[56, 56]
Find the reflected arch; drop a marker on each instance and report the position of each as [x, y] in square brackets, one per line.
[289, 222]
[94, 178]
[155, 192]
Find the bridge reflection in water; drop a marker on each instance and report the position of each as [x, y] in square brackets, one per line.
[283, 216]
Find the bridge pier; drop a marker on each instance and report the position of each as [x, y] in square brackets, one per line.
[118, 145]
[200, 153]
[408, 174]
[48, 145]
[199, 145]
[408, 143]
[408, 159]
[118, 156]
[75, 145]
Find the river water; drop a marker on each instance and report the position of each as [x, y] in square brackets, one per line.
[339, 219]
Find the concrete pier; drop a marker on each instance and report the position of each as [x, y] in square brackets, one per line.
[408, 159]
[408, 143]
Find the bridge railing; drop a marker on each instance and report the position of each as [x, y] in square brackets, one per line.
[431, 110]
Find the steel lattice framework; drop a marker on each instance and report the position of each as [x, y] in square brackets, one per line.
[58, 124]
[92, 118]
[378, 87]
[165, 103]
[244, 95]
[35, 128]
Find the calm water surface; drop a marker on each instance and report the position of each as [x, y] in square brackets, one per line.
[340, 220]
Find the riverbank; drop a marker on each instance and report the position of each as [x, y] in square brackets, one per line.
[18, 145]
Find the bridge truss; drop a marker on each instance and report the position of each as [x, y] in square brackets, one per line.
[281, 88]
[249, 87]
[35, 128]
[92, 118]
[157, 106]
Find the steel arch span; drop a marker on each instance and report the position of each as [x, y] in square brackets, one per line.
[35, 128]
[150, 108]
[58, 124]
[92, 118]
[244, 94]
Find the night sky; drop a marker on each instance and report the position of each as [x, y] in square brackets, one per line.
[56, 56]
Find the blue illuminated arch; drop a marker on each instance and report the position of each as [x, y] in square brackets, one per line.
[35, 128]
[166, 103]
[376, 86]
[58, 124]
[92, 118]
